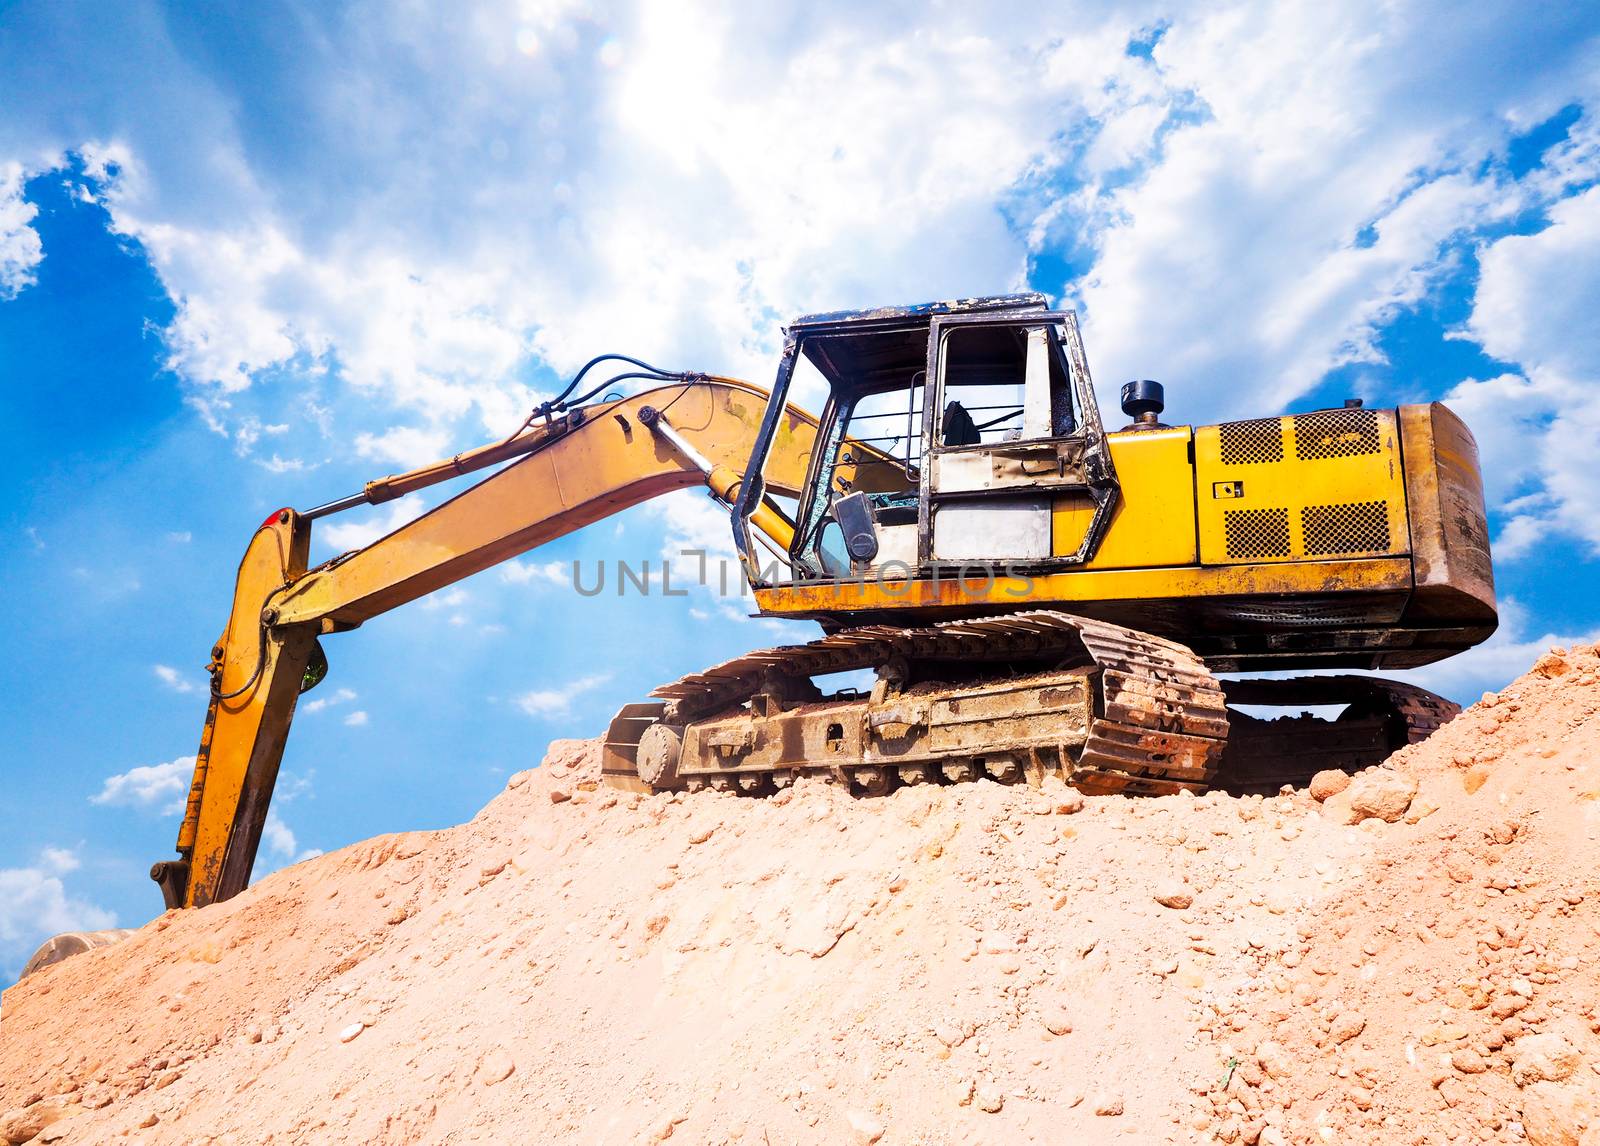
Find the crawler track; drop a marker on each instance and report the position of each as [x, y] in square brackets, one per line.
[1158, 720]
[1380, 717]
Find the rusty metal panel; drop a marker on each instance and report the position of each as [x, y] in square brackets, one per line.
[1449, 532]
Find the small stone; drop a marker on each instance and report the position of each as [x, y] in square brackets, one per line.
[350, 1032]
[1475, 777]
[1174, 895]
[1468, 1062]
[1421, 808]
[252, 1033]
[1381, 794]
[168, 1079]
[866, 1128]
[495, 1067]
[1543, 1058]
[149, 1120]
[988, 1098]
[1328, 782]
[1274, 1060]
[1070, 803]
[98, 1097]
[703, 833]
[1553, 663]
[1056, 1020]
[948, 1034]
[1347, 1026]
[559, 795]
[1108, 1105]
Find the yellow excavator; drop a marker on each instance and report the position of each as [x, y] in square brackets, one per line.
[1028, 593]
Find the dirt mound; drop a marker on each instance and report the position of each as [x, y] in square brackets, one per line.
[976, 963]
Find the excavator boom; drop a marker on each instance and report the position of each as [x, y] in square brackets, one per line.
[594, 462]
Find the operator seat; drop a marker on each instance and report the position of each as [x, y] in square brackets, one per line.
[957, 427]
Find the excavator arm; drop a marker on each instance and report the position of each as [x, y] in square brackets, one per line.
[569, 472]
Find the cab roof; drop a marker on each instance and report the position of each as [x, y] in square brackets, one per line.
[886, 345]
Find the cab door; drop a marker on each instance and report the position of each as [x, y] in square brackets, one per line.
[1012, 427]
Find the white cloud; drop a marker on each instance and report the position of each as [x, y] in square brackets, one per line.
[34, 905]
[173, 679]
[536, 573]
[291, 786]
[318, 703]
[1311, 200]
[1534, 307]
[149, 786]
[180, 537]
[281, 844]
[59, 861]
[364, 526]
[550, 702]
[656, 186]
[405, 446]
[20, 249]
[357, 719]
[277, 836]
[452, 598]
[281, 465]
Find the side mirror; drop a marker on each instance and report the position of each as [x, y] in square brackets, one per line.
[854, 514]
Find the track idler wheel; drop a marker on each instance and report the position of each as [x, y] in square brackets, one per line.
[660, 748]
[70, 943]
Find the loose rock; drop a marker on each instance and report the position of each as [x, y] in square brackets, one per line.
[1380, 794]
[1328, 782]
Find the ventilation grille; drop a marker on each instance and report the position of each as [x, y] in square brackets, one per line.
[1355, 527]
[1251, 443]
[1256, 532]
[1310, 616]
[1335, 434]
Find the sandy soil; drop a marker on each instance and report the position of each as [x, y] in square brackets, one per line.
[967, 964]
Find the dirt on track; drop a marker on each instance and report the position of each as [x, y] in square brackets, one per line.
[966, 964]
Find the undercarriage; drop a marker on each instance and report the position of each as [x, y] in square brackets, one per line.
[1014, 698]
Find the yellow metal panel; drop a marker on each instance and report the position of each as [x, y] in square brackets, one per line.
[1153, 523]
[1318, 486]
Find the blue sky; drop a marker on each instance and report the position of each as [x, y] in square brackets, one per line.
[254, 256]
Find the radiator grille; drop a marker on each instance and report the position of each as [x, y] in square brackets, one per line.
[1256, 532]
[1354, 527]
[1335, 434]
[1251, 443]
[1317, 616]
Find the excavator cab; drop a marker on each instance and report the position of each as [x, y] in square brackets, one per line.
[969, 468]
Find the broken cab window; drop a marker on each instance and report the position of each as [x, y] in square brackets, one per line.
[1003, 383]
